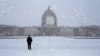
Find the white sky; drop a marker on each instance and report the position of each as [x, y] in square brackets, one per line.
[68, 12]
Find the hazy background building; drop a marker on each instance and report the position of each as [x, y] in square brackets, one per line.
[11, 30]
[49, 27]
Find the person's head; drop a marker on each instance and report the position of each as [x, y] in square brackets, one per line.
[28, 35]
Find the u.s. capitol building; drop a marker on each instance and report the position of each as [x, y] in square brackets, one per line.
[49, 28]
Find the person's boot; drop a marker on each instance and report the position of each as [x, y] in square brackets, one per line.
[29, 47]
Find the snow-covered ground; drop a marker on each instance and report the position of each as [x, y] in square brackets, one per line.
[50, 46]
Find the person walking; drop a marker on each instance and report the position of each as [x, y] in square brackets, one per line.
[29, 41]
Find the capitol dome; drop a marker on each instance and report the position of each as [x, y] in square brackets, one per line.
[49, 18]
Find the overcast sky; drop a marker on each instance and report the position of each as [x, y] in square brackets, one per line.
[68, 12]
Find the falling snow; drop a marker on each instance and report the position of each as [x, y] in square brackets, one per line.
[3, 11]
[32, 10]
[98, 1]
[63, 16]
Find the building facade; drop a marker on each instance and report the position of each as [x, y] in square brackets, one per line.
[11, 30]
[49, 26]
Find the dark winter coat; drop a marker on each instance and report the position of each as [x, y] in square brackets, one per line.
[29, 40]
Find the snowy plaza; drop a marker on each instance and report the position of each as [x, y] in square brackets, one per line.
[50, 46]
